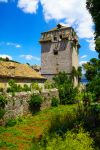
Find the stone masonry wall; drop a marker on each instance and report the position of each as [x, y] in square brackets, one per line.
[18, 105]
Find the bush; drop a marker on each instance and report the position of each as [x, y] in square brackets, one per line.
[1, 89]
[71, 141]
[35, 102]
[26, 88]
[55, 101]
[13, 87]
[35, 86]
[2, 112]
[94, 87]
[48, 85]
[3, 101]
[67, 91]
[11, 123]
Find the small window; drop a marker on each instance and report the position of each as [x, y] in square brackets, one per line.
[61, 37]
[55, 38]
[55, 52]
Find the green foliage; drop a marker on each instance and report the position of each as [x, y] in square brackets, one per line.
[79, 73]
[35, 102]
[3, 101]
[92, 68]
[71, 141]
[2, 112]
[94, 8]
[35, 86]
[55, 102]
[13, 87]
[7, 144]
[76, 73]
[67, 91]
[94, 87]
[88, 98]
[48, 85]
[73, 73]
[79, 97]
[1, 89]
[26, 88]
[60, 78]
[61, 123]
[11, 123]
[98, 46]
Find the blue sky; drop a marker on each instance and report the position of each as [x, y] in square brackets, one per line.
[22, 21]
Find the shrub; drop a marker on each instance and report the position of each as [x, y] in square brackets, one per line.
[55, 101]
[48, 85]
[3, 101]
[88, 98]
[1, 89]
[67, 91]
[2, 112]
[35, 102]
[35, 86]
[71, 141]
[94, 87]
[26, 88]
[11, 123]
[13, 87]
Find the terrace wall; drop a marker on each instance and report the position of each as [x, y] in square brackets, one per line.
[18, 105]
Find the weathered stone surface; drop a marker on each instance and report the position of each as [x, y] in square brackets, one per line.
[18, 105]
[65, 42]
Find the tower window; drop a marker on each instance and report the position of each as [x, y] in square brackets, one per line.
[55, 52]
[55, 38]
[61, 37]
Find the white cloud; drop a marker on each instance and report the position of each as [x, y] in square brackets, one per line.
[3, 1]
[28, 6]
[13, 44]
[82, 62]
[91, 44]
[5, 56]
[10, 44]
[73, 12]
[30, 57]
[84, 56]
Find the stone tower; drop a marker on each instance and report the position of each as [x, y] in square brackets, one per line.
[59, 48]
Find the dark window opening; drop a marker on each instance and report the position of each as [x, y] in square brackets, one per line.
[55, 38]
[55, 52]
[61, 37]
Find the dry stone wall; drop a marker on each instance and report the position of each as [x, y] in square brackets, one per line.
[17, 105]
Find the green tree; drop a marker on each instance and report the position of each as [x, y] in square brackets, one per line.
[67, 91]
[94, 87]
[92, 68]
[94, 8]
[79, 73]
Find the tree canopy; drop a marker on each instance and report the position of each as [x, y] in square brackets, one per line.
[94, 8]
[92, 68]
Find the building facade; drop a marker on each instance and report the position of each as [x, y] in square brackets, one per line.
[59, 48]
[21, 73]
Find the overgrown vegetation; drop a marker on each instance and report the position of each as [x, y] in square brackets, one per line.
[35, 86]
[55, 102]
[3, 102]
[67, 91]
[14, 87]
[35, 102]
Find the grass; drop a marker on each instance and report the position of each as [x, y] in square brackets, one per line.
[20, 136]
